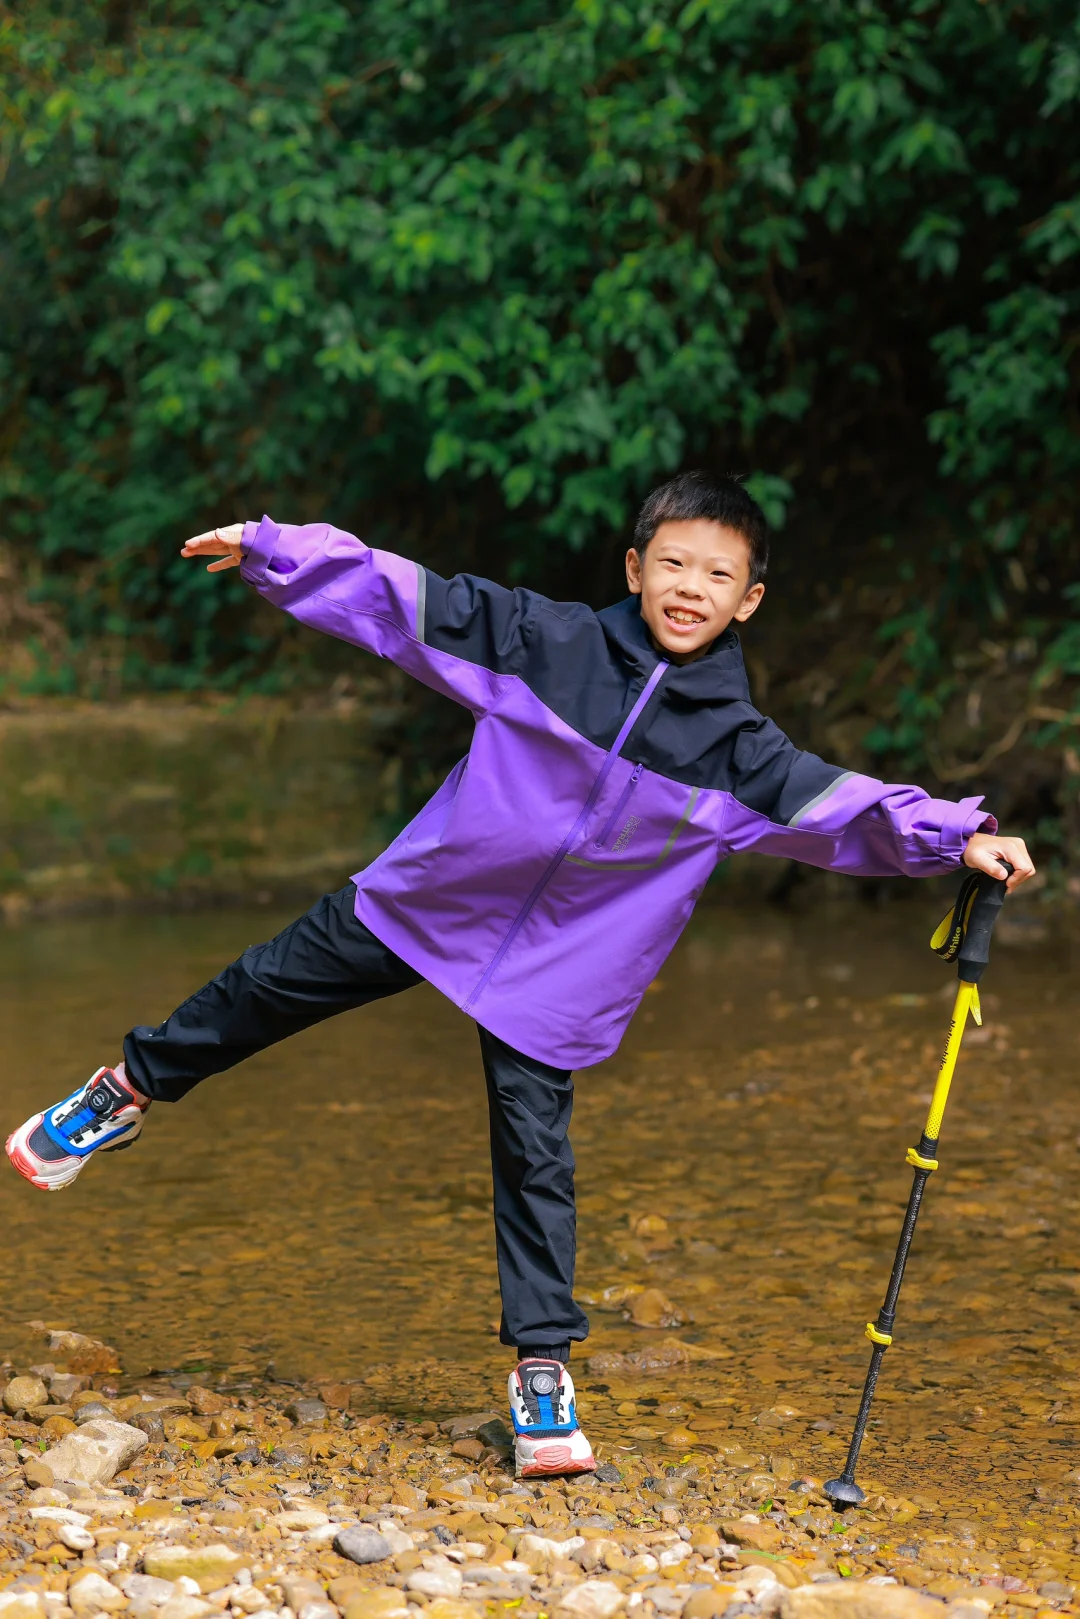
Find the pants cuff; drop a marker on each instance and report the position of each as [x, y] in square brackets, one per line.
[546, 1352]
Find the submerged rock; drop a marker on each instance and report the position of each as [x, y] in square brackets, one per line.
[652, 1308]
[306, 1413]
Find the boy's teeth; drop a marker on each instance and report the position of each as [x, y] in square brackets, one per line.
[684, 618]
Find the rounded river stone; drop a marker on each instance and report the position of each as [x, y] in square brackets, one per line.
[361, 1544]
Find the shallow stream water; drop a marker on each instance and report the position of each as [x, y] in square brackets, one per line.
[325, 1209]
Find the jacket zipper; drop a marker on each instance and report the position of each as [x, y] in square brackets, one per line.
[571, 837]
[624, 796]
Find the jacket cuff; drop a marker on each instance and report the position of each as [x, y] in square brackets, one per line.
[969, 818]
[258, 544]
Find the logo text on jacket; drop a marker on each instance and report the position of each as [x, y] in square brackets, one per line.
[624, 837]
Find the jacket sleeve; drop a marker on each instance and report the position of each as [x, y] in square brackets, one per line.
[794, 805]
[462, 636]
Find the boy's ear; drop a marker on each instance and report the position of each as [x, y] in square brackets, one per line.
[633, 572]
[749, 604]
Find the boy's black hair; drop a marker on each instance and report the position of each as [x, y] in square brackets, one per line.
[719, 500]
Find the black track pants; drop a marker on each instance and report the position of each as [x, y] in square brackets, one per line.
[328, 962]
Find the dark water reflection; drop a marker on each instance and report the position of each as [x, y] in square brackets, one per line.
[326, 1207]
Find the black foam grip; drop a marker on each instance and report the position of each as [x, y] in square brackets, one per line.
[975, 950]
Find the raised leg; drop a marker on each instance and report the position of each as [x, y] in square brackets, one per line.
[323, 963]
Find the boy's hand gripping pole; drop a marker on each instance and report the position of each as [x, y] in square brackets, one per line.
[963, 937]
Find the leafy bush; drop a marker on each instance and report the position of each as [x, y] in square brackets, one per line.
[470, 278]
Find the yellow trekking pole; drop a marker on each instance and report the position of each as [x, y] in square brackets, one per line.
[963, 937]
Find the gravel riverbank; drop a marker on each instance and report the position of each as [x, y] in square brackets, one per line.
[188, 1499]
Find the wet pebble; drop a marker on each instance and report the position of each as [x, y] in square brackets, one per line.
[306, 1413]
[291, 1457]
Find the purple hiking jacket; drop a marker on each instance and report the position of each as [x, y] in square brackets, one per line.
[545, 883]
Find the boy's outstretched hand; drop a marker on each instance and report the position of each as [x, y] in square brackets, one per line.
[985, 851]
[220, 542]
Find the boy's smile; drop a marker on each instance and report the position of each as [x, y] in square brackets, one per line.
[693, 580]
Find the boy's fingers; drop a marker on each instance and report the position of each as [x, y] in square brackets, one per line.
[1015, 852]
[1023, 867]
[217, 542]
[206, 548]
[202, 542]
[988, 853]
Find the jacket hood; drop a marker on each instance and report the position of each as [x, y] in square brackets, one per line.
[717, 677]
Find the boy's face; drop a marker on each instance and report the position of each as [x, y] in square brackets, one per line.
[693, 580]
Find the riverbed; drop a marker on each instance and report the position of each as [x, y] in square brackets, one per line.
[324, 1210]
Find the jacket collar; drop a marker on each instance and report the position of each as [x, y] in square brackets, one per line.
[720, 676]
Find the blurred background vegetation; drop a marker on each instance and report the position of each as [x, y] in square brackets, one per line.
[468, 279]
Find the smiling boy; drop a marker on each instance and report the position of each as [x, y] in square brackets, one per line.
[616, 759]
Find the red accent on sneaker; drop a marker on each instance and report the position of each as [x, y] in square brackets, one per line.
[554, 1458]
[552, 1455]
[123, 1082]
[25, 1166]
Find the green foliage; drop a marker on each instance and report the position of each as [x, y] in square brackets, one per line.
[472, 277]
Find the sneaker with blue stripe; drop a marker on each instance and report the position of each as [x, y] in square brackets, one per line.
[104, 1115]
[547, 1437]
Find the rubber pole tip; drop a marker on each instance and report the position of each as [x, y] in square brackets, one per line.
[843, 1495]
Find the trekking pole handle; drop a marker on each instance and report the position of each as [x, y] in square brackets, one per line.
[985, 909]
